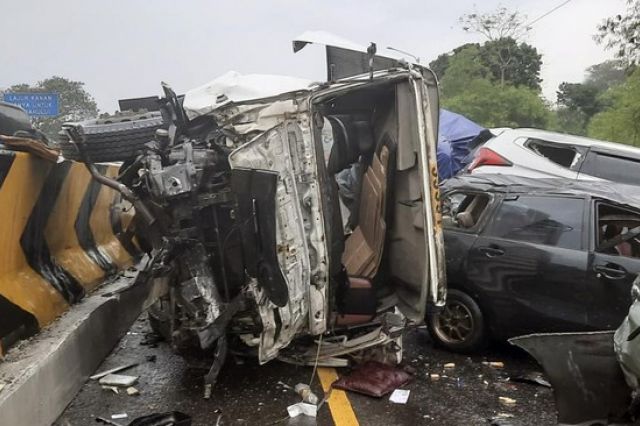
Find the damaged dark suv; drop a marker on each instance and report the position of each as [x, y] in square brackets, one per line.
[238, 207]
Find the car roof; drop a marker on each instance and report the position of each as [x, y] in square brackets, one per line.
[510, 184]
[596, 144]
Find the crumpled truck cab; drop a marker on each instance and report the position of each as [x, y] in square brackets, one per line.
[294, 220]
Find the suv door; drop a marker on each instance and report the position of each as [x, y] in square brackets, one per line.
[463, 213]
[529, 265]
[611, 269]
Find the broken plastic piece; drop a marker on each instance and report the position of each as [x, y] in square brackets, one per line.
[118, 380]
[111, 388]
[434, 377]
[509, 402]
[302, 408]
[119, 416]
[305, 392]
[113, 370]
[132, 391]
[532, 379]
[450, 365]
[494, 364]
[400, 396]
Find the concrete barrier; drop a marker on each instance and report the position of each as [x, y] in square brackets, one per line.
[61, 235]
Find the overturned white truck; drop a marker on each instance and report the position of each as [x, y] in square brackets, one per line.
[240, 211]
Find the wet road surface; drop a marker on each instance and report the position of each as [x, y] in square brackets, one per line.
[249, 394]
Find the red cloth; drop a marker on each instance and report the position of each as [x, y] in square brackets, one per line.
[374, 379]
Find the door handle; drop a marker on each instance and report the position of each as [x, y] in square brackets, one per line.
[491, 251]
[611, 271]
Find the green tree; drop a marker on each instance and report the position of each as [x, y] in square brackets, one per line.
[511, 62]
[75, 103]
[441, 63]
[607, 74]
[464, 67]
[579, 102]
[507, 61]
[622, 33]
[620, 122]
[467, 89]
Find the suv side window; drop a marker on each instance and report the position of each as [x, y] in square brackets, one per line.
[611, 167]
[555, 221]
[617, 231]
[563, 155]
[463, 210]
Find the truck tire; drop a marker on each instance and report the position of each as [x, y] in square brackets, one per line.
[115, 138]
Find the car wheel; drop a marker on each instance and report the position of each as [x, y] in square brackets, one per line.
[114, 139]
[459, 326]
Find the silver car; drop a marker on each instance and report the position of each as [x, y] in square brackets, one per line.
[540, 153]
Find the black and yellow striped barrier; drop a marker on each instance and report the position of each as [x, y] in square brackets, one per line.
[61, 235]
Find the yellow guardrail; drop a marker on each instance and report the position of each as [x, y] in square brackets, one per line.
[61, 235]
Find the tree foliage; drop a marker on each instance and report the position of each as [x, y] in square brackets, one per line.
[622, 33]
[468, 89]
[579, 102]
[507, 62]
[499, 24]
[75, 103]
[511, 62]
[620, 122]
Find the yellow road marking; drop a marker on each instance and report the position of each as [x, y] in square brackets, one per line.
[339, 405]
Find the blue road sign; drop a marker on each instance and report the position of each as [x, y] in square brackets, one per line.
[36, 104]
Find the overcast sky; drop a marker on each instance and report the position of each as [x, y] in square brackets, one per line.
[123, 49]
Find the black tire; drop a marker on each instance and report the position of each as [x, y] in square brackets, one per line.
[460, 326]
[117, 138]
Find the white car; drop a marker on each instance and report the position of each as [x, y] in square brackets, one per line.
[539, 153]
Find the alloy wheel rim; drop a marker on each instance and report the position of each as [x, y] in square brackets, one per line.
[455, 323]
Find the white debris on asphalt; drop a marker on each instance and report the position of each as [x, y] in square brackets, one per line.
[400, 396]
[119, 416]
[509, 402]
[309, 410]
[113, 370]
[2, 385]
[118, 380]
[494, 364]
[111, 388]
[450, 365]
[132, 391]
[434, 377]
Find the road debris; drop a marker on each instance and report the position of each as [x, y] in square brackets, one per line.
[374, 379]
[434, 377]
[113, 370]
[118, 380]
[494, 364]
[2, 385]
[119, 416]
[305, 392]
[106, 421]
[400, 396]
[171, 418]
[309, 410]
[131, 391]
[535, 379]
[449, 365]
[506, 401]
[111, 388]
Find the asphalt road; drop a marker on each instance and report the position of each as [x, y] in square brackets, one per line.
[249, 394]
